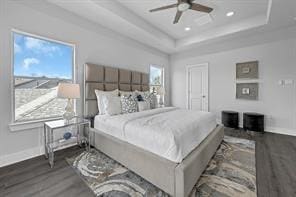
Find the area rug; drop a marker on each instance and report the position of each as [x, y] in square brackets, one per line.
[231, 172]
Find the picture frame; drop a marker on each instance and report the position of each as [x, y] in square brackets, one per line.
[247, 70]
[247, 91]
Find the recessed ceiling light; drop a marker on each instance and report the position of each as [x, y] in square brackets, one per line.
[230, 13]
[187, 29]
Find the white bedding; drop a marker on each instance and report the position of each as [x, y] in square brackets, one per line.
[169, 132]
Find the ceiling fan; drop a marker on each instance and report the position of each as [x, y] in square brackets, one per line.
[182, 6]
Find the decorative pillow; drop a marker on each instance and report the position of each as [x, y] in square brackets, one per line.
[99, 94]
[126, 93]
[143, 105]
[112, 105]
[150, 98]
[140, 98]
[128, 104]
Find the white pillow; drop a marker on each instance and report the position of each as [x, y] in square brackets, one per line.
[127, 93]
[143, 105]
[112, 105]
[99, 94]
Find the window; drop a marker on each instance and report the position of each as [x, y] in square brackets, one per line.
[156, 78]
[38, 66]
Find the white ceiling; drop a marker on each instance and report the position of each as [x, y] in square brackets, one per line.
[164, 19]
[133, 19]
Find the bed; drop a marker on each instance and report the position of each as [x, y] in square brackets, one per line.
[169, 147]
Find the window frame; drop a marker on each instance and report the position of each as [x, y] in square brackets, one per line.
[12, 32]
[162, 74]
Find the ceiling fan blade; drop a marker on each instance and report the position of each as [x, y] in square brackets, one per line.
[178, 16]
[200, 8]
[164, 7]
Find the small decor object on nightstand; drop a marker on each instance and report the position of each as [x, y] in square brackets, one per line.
[67, 135]
[230, 119]
[69, 91]
[253, 122]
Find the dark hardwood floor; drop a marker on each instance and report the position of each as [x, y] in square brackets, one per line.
[275, 163]
[34, 178]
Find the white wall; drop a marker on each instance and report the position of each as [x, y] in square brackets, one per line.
[277, 60]
[93, 44]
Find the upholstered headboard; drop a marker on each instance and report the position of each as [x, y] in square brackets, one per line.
[107, 79]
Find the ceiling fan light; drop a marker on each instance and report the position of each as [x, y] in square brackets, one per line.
[182, 7]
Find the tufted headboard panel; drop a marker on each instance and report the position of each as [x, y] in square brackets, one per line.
[108, 79]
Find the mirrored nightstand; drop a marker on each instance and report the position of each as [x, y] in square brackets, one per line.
[77, 136]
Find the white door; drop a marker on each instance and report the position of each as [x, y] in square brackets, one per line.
[197, 87]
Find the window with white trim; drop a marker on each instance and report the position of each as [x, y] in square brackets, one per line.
[157, 80]
[39, 65]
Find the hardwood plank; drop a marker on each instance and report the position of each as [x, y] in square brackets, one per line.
[34, 177]
[275, 162]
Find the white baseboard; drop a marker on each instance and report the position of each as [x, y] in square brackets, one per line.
[281, 131]
[20, 156]
[24, 155]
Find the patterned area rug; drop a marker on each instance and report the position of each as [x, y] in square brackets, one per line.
[231, 172]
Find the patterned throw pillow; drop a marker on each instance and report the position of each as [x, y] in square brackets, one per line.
[150, 98]
[128, 93]
[128, 104]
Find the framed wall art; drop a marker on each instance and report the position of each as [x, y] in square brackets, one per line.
[247, 91]
[247, 70]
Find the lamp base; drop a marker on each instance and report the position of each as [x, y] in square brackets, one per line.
[160, 102]
[69, 112]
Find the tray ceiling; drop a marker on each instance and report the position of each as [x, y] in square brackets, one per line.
[133, 19]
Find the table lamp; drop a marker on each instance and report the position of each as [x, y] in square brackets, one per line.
[161, 93]
[69, 91]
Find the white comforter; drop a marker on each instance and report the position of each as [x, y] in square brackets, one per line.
[168, 132]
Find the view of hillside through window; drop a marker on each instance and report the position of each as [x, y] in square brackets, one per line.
[156, 77]
[39, 66]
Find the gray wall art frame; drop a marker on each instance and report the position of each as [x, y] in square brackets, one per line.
[247, 70]
[247, 91]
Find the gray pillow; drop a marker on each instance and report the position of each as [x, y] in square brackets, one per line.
[128, 104]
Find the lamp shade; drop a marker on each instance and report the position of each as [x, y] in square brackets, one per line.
[68, 90]
[160, 91]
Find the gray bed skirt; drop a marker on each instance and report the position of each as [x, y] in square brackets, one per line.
[177, 179]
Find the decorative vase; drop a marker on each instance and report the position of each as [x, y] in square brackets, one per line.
[67, 135]
[69, 112]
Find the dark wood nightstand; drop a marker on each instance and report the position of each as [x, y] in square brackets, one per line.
[254, 122]
[230, 119]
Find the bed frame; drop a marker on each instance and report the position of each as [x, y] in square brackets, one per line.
[177, 179]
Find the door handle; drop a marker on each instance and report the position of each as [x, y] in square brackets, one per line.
[203, 96]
